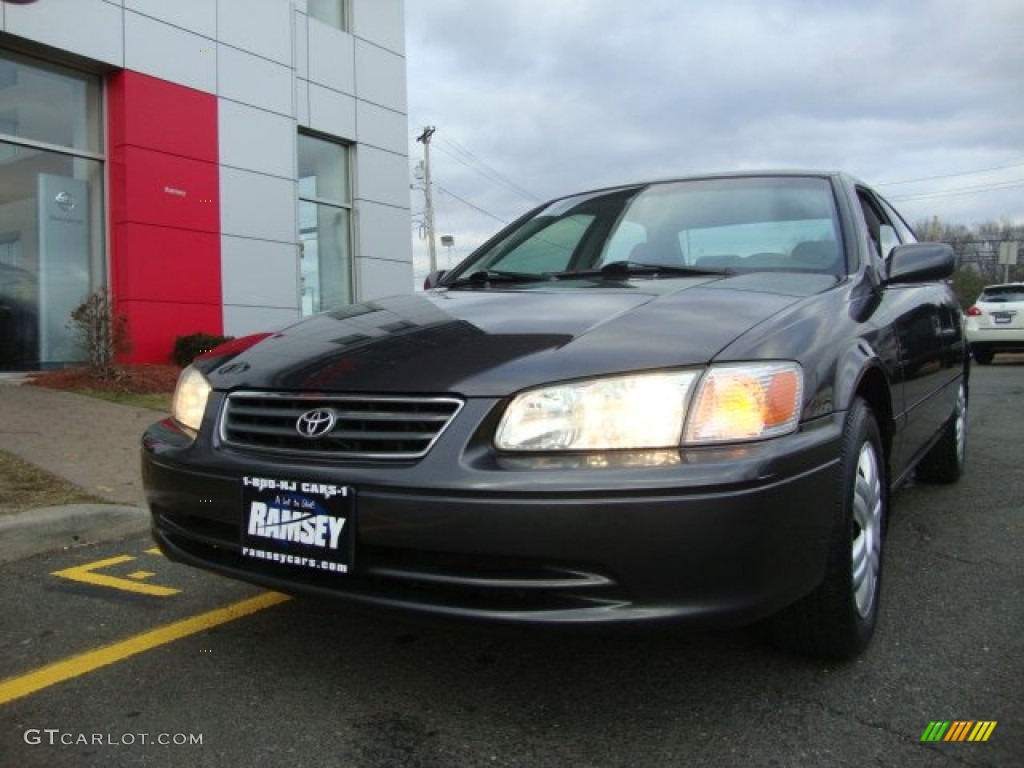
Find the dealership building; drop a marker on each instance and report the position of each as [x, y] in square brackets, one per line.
[220, 166]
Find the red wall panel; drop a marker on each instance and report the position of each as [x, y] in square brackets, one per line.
[147, 112]
[153, 326]
[169, 190]
[166, 264]
[164, 212]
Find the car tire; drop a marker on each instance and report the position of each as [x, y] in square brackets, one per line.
[944, 462]
[837, 619]
[982, 356]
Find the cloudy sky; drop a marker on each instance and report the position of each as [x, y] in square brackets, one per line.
[923, 99]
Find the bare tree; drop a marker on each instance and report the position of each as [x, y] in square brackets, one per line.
[102, 332]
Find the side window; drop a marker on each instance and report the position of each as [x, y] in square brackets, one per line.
[548, 250]
[883, 234]
[904, 231]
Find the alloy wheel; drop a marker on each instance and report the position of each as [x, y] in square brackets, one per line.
[866, 550]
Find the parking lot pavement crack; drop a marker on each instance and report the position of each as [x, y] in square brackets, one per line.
[963, 560]
[882, 727]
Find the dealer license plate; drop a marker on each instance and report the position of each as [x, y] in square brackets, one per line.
[299, 523]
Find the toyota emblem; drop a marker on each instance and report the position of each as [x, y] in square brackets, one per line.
[316, 423]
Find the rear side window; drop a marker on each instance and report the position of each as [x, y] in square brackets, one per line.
[1002, 293]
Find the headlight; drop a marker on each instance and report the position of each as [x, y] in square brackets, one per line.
[190, 398]
[725, 403]
[746, 401]
[619, 412]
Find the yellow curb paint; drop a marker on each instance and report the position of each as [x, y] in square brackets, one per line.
[61, 671]
[87, 574]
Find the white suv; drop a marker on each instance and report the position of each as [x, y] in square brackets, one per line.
[996, 322]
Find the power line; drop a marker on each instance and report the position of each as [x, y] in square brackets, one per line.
[962, 191]
[471, 205]
[949, 175]
[511, 184]
[462, 155]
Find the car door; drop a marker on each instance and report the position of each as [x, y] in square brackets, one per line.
[921, 321]
[952, 324]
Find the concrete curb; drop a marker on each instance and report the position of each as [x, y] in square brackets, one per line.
[53, 528]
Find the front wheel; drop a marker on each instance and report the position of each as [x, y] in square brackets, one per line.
[837, 619]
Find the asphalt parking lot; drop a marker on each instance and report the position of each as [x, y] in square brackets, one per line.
[112, 656]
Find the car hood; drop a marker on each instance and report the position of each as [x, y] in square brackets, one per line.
[494, 342]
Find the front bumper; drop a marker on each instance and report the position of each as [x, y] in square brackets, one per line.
[718, 537]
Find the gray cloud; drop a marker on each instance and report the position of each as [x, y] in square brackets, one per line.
[560, 96]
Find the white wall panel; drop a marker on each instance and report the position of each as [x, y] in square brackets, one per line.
[382, 128]
[383, 278]
[256, 140]
[161, 50]
[381, 22]
[199, 16]
[380, 76]
[262, 27]
[382, 177]
[332, 112]
[301, 45]
[254, 81]
[331, 57]
[258, 206]
[241, 321]
[302, 102]
[383, 231]
[260, 273]
[89, 28]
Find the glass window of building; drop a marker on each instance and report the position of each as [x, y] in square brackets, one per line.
[325, 213]
[333, 12]
[51, 208]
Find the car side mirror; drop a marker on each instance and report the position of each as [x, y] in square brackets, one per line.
[433, 279]
[920, 263]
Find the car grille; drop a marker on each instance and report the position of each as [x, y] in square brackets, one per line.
[365, 426]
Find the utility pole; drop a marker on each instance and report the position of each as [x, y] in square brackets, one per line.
[428, 209]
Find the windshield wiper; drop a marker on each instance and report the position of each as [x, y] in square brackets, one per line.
[620, 269]
[485, 276]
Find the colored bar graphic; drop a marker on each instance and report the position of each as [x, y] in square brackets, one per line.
[935, 730]
[959, 730]
[982, 730]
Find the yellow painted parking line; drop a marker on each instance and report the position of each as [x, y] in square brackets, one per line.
[140, 575]
[24, 685]
[88, 574]
[154, 551]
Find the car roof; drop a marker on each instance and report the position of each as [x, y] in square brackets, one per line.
[745, 174]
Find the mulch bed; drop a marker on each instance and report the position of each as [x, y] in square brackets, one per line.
[136, 379]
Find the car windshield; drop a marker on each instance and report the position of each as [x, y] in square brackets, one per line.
[719, 225]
